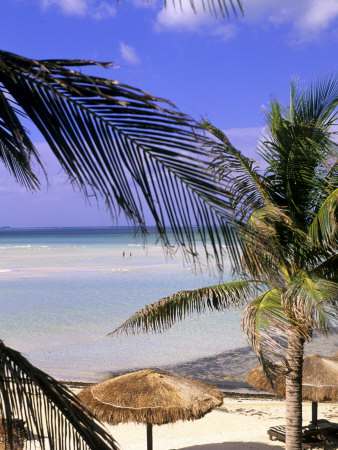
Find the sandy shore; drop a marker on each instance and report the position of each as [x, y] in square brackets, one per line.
[239, 424]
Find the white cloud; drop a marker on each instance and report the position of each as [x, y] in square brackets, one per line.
[129, 54]
[188, 20]
[245, 139]
[225, 31]
[319, 15]
[69, 7]
[103, 11]
[308, 19]
[171, 17]
[92, 8]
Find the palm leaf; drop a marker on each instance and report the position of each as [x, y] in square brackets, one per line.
[273, 247]
[52, 414]
[264, 254]
[298, 146]
[323, 229]
[162, 314]
[327, 269]
[133, 149]
[267, 323]
[312, 300]
[321, 100]
[262, 318]
[224, 8]
[245, 182]
[15, 147]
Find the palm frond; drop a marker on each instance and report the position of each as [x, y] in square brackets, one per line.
[267, 324]
[298, 146]
[245, 181]
[52, 414]
[312, 301]
[264, 253]
[162, 314]
[273, 247]
[323, 229]
[320, 100]
[262, 320]
[125, 145]
[327, 269]
[15, 147]
[223, 8]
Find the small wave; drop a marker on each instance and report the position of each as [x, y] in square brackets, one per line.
[5, 270]
[15, 246]
[134, 245]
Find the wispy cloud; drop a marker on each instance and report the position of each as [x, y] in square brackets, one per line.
[98, 10]
[185, 19]
[69, 7]
[245, 139]
[103, 11]
[225, 31]
[306, 19]
[129, 54]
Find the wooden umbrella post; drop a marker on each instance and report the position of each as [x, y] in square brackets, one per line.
[314, 414]
[149, 436]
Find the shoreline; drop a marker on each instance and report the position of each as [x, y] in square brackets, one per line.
[227, 371]
[79, 385]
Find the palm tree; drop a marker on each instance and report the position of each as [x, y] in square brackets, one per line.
[114, 141]
[286, 221]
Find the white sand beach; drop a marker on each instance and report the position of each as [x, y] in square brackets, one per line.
[239, 424]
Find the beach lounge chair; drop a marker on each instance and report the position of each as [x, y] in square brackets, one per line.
[314, 436]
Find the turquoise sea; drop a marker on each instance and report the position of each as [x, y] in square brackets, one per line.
[64, 289]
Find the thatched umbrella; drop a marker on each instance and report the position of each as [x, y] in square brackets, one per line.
[320, 381]
[150, 397]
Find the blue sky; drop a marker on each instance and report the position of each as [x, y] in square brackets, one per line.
[224, 70]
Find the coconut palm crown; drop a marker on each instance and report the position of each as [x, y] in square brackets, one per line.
[287, 233]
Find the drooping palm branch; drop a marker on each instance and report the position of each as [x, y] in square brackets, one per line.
[125, 145]
[51, 413]
[118, 142]
[223, 8]
[162, 314]
[15, 146]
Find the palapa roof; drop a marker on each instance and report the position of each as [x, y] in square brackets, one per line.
[320, 379]
[150, 397]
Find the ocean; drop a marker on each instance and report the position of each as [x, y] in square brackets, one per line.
[64, 289]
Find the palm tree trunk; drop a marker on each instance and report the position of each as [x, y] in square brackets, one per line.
[294, 393]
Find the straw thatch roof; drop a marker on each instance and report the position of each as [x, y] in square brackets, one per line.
[320, 379]
[150, 397]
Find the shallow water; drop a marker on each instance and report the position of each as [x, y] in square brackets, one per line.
[63, 290]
